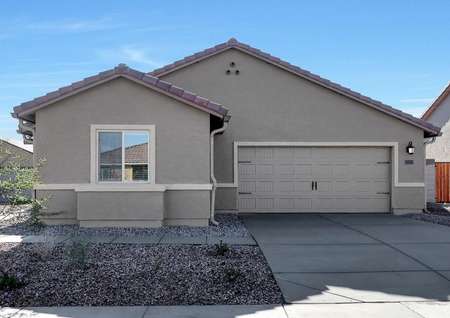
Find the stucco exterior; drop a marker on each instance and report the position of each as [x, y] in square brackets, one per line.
[439, 150]
[182, 155]
[270, 104]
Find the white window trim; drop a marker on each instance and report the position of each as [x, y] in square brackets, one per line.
[393, 145]
[151, 148]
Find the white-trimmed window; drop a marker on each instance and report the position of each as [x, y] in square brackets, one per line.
[123, 153]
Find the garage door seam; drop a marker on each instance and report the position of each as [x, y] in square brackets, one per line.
[388, 245]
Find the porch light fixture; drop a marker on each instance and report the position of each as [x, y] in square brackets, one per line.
[410, 149]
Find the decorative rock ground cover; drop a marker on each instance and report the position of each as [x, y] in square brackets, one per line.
[124, 274]
[436, 213]
[16, 223]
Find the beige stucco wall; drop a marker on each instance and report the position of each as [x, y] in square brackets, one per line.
[142, 209]
[187, 207]
[270, 104]
[182, 155]
[60, 206]
[440, 149]
[63, 132]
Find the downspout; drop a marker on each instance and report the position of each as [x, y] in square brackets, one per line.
[211, 165]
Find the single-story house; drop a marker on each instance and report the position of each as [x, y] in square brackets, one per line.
[438, 151]
[126, 148]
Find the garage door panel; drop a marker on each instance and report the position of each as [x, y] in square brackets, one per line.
[247, 171]
[293, 171]
[247, 186]
[264, 154]
[264, 170]
[246, 154]
[341, 170]
[324, 186]
[344, 186]
[322, 171]
[263, 187]
[265, 203]
[302, 154]
[279, 179]
[381, 186]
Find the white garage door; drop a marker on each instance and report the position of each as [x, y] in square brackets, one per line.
[314, 179]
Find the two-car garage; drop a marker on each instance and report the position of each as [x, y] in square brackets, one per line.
[314, 179]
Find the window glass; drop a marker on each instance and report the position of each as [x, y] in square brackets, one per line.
[110, 156]
[136, 156]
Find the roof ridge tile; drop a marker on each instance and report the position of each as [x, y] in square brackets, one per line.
[234, 43]
[123, 70]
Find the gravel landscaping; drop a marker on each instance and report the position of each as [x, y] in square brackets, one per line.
[120, 274]
[17, 224]
[436, 213]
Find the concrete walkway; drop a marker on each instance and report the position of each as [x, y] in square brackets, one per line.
[160, 238]
[332, 259]
[375, 310]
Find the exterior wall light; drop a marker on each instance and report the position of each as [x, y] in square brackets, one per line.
[410, 149]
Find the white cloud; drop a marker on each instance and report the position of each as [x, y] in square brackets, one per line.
[128, 54]
[73, 25]
[417, 100]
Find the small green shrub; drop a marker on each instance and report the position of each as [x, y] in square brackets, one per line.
[231, 274]
[36, 212]
[9, 282]
[77, 254]
[221, 249]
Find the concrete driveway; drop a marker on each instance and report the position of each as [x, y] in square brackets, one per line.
[343, 258]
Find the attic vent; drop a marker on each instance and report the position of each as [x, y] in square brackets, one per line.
[229, 71]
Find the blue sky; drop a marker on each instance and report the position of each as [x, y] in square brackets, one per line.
[394, 51]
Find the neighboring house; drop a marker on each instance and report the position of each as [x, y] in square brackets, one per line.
[11, 152]
[14, 154]
[287, 141]
[438, 152]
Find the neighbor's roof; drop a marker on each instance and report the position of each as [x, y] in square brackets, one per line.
[133, 154]
[437, 102]
[17, 144]
[27, 108]
[234, 44]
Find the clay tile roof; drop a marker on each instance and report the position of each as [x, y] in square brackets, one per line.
[437, 102]
[430, 130]
[133, 154]
[26, 109]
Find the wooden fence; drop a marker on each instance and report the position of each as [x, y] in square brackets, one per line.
[442, 181]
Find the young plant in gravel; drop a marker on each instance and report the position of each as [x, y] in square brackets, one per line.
[231, 274]
[77, 254]
[43, 251]
[221, 249]
[8, 281]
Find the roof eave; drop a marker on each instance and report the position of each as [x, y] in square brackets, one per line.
[234, 44]
[26, 110]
